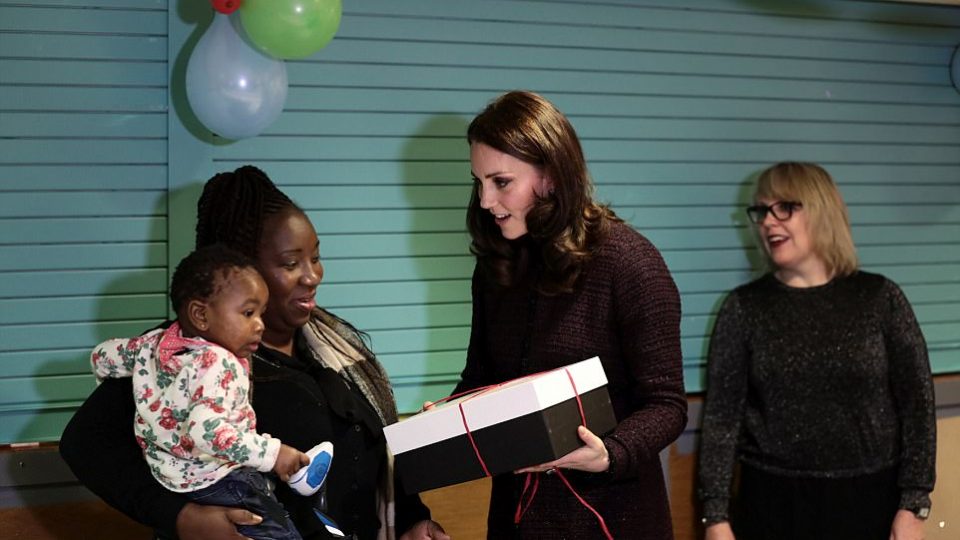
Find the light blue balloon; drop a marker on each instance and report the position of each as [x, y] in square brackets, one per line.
[235, 90]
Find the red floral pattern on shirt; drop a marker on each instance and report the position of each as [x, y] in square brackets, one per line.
[194, 420]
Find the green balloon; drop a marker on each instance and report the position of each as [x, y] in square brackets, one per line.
[290, 29]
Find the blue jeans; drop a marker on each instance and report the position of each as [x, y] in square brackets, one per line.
[247, 488]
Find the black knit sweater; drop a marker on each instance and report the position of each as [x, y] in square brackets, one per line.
[625, 309]
[831, 381]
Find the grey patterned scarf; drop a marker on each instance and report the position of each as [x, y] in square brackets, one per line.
[335, 345]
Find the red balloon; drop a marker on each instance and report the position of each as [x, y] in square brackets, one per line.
[225, 6]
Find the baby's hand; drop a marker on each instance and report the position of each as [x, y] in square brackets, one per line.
[311, 478]
[289, 461]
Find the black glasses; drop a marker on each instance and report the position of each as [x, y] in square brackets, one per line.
[782, 210]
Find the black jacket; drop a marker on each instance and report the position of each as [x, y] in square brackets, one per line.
[300, 403]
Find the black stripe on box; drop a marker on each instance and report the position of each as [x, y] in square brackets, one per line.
[531, 439]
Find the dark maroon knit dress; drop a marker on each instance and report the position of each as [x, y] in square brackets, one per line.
[625, 309]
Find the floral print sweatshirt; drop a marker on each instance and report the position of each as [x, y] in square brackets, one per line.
[194, 420]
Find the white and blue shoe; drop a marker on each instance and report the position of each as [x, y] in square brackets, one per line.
[310, 478]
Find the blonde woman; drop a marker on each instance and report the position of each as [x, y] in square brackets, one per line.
[819, 385]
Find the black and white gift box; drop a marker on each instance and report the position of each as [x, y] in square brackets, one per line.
[528, 421]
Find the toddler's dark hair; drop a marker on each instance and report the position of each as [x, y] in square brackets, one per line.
[196, 276]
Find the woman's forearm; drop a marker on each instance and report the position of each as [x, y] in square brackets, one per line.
[99, 446]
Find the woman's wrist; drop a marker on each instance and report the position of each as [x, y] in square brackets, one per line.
[609, 459]
[613, 459]
[715, 511]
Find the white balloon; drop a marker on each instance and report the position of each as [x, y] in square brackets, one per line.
[235, 90]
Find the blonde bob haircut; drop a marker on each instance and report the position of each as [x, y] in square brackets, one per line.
[827, 218]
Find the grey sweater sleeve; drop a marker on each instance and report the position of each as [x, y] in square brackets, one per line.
[723, 410]
[912, 386]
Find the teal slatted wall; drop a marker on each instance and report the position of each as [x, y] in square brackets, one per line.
[83, 181]
[678, 103]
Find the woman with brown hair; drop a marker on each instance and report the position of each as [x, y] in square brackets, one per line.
[560, 278]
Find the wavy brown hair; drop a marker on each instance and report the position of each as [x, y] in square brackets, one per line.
[567, 224]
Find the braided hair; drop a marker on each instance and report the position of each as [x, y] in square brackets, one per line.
[235, 205]
[233, 209]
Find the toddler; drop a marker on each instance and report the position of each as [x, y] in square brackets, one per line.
[192, 389]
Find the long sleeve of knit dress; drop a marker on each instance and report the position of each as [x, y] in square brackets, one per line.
[831, 381]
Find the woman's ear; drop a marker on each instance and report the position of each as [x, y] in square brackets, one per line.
[197, 314]
[546, 186]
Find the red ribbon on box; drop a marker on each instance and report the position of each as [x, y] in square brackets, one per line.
[522, 508]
